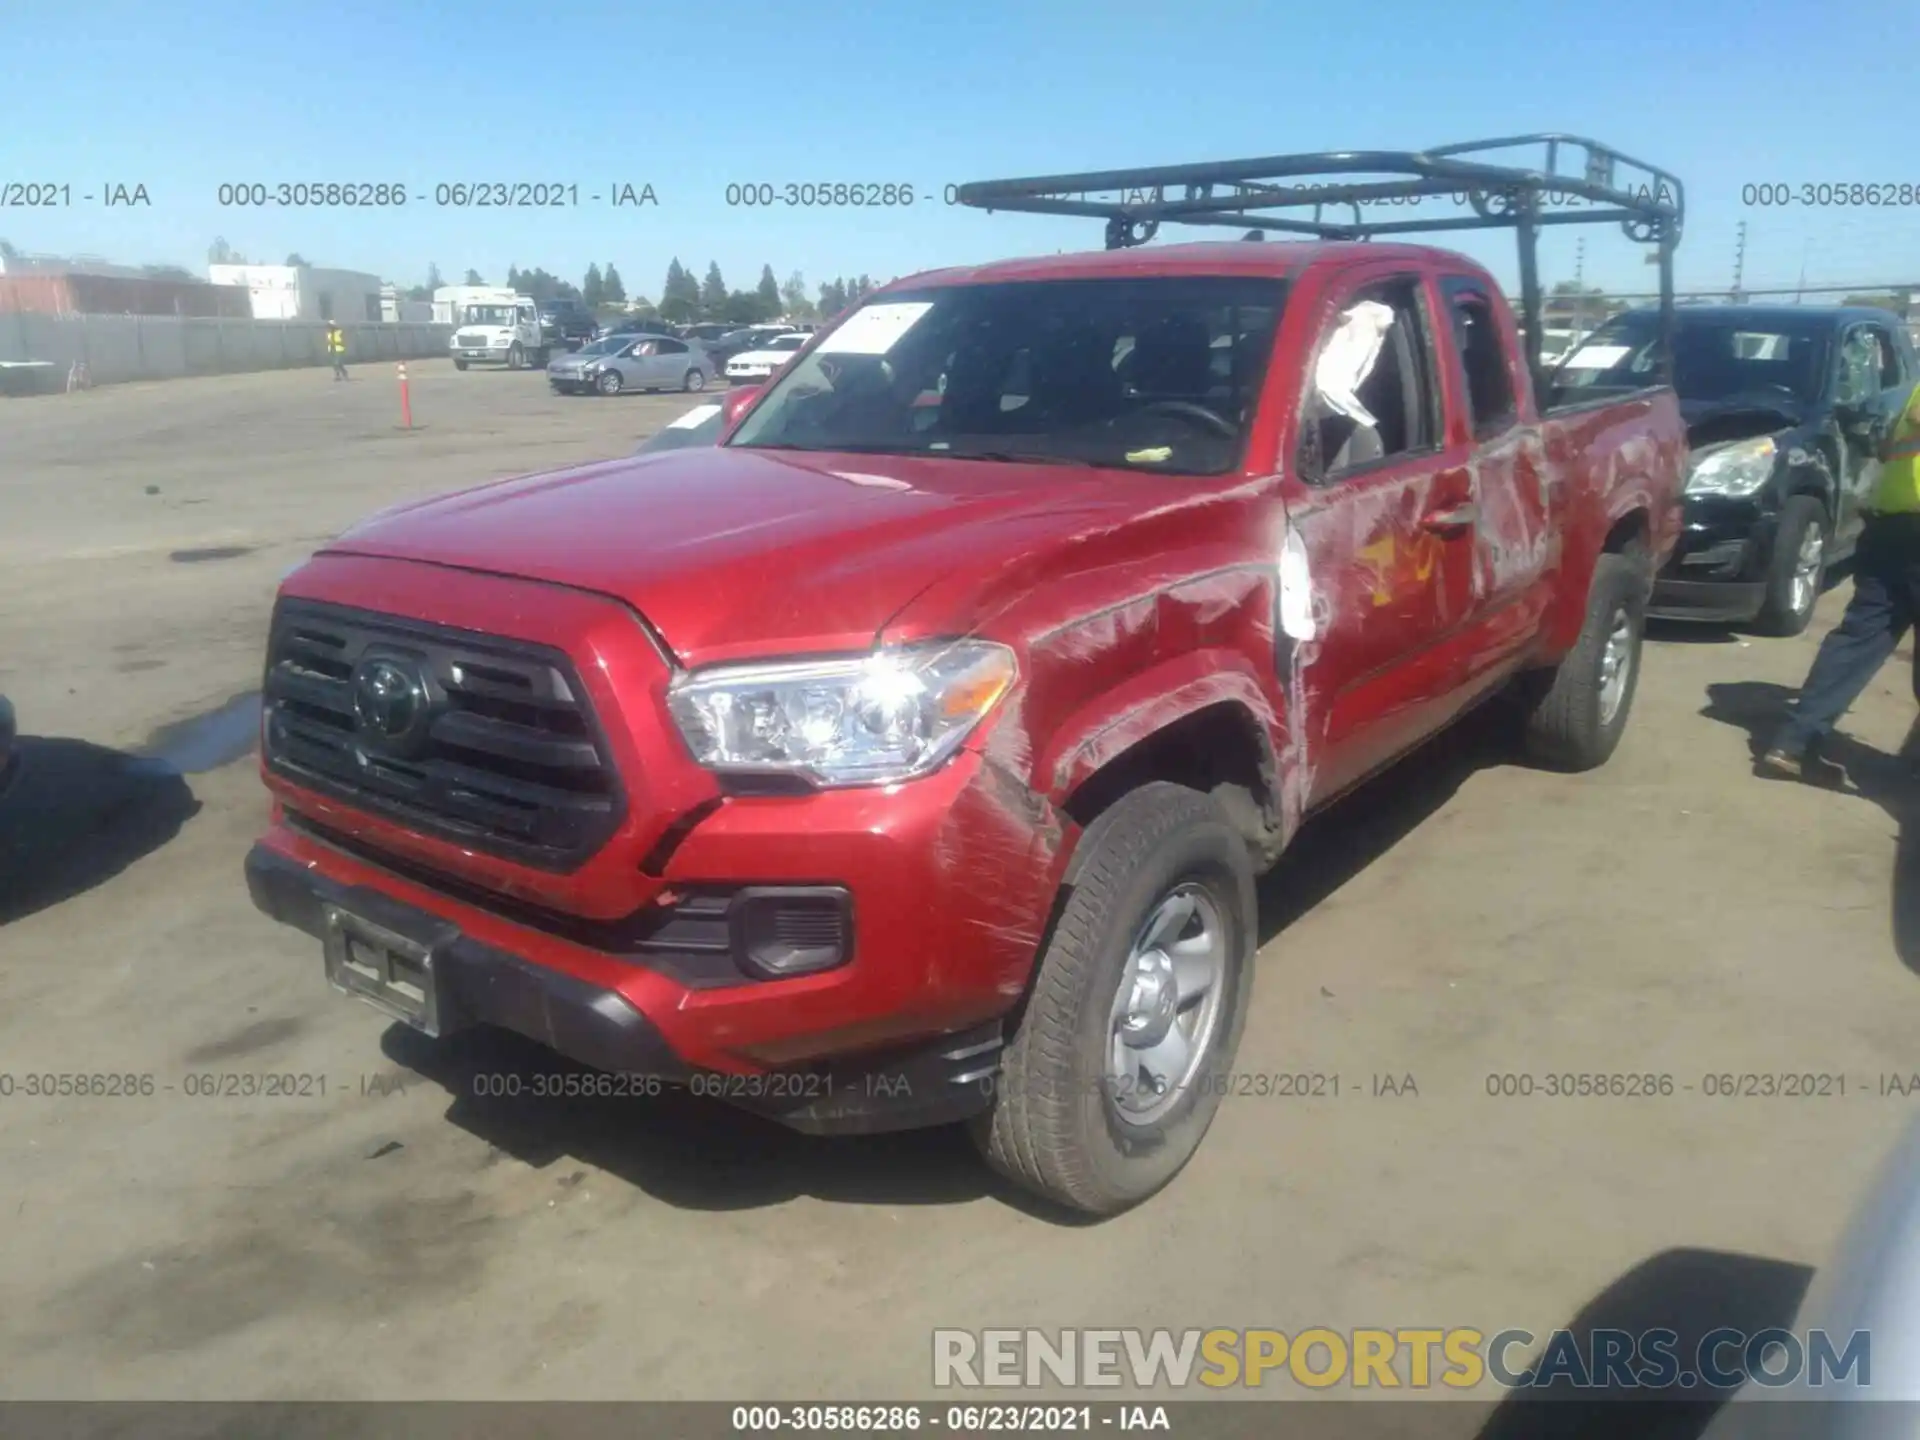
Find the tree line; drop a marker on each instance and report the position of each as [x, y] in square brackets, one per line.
[683, 299]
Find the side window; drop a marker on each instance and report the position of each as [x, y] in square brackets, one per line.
[1892, 374]
[1483, 357]
[1860, 367]
[1371, 395]
[672, 347]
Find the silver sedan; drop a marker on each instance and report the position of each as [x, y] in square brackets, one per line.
[631, 362]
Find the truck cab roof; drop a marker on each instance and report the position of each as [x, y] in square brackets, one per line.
[1279, 259]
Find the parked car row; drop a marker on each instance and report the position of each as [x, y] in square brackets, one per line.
[637, 354]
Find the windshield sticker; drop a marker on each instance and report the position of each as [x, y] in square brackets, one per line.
[1599, 357]
[875, 330]
[1349, 358]
[1157, 455]
[694, 418]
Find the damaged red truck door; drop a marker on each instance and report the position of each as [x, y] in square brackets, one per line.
[1377, 494]
[1427, 516]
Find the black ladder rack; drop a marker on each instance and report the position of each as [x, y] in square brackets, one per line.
[1602, 186]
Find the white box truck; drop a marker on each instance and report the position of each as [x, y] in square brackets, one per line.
[494, 326]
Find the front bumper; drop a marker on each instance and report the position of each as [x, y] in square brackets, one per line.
[1718, 569]
[950, 878]
[477, 983]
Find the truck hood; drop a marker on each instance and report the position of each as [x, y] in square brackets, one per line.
[732, 553]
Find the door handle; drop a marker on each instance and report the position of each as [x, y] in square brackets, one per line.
[1460, 517]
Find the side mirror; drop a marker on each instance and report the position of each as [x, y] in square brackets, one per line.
[739, 400]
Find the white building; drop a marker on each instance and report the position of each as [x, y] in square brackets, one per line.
[304, 292]
[394, 306]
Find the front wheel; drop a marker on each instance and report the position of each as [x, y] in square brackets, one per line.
[516, 358]
[694, 381]
[1798, 567]
[1119, 1060]
[609, 382]
[459, 364]
[1580, 710]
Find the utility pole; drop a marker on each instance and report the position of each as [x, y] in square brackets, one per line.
[1580, 314]
[1739, 263]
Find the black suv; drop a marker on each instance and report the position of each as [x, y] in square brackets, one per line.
[1785, 407]
[7, 734]
[566, 324]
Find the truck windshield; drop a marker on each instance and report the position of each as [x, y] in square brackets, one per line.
[1715, 357]
[489, 315]
[1156, 373]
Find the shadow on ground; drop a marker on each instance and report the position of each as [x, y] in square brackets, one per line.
[76, 815]
[1334, 847]
[702, 1154]
[688, 1151]
[1757, 707]
[1688, 1292]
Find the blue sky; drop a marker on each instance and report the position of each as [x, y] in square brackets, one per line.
[689, 99]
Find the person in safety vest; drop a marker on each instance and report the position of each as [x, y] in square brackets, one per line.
[337, 349]
[1884, 607]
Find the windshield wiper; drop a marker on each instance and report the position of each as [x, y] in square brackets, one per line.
[848, 449]
[1016, 457]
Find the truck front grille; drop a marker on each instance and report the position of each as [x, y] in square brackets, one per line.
[484, 742]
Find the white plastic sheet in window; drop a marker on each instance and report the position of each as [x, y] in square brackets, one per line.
[1349, 357]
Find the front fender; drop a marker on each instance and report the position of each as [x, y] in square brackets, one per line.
[1116, 720]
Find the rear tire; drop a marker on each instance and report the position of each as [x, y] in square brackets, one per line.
[1060, 1124]
[1797, 569]
[695, 381]
[1579, 715]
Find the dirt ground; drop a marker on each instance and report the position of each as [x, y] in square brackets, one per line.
[400, 1237]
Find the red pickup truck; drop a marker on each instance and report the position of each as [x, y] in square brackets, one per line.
[908, 757]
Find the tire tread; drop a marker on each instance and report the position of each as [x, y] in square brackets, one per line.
[1029, 1133]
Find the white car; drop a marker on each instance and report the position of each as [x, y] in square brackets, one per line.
[760, 364]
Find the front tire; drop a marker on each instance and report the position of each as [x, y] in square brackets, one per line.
[516, 358]
[1119, 1059]
[459, 364]
[609, 382]
[695, 381]
[1577, 719]
[1797, 569]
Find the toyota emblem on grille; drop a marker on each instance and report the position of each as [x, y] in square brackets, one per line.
[389, 701]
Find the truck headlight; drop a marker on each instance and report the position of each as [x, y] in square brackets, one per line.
[1736, 470]
[867, 720]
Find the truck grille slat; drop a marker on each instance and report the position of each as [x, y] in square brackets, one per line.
[483, 741]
